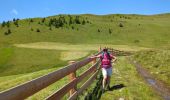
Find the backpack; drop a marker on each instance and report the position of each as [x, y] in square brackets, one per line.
[105, 59]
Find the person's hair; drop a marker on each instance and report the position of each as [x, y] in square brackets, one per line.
[105, 49]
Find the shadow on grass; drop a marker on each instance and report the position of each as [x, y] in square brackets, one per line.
[96, 92]
[117, 87]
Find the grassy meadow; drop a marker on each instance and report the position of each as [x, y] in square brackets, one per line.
[133, 86]
[30, 48]
[138, 30]
[157, 62]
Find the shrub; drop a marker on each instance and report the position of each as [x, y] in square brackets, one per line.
[72, 27]
[77, 20]
[8, 32]
[98, 30]
[31, 20]
[14, 19]
[120, 25]
[110, 31]
[83, 22]
[43, 20]
[3, 24]
[16, 23]
[8, 24]
[38, 30]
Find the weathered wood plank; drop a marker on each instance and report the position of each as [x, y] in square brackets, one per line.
[84, 86]
[61, 92]
[29, 88]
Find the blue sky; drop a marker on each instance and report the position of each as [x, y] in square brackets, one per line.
[10, 9]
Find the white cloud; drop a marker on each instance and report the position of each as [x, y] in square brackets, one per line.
[14, 11]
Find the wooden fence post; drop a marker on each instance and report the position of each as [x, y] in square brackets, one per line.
[93, 62]
[72, 76]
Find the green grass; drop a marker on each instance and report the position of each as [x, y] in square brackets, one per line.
[139, 30]
[135, 87]
[21, 60]
[157, 62]
[26, 54]
[7, 82]
[44, 62]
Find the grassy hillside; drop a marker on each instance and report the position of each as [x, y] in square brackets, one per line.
[32, 47]
[127, 84]
[157, 62]
[140, 30]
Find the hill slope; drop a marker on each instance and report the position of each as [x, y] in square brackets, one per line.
[148, 31]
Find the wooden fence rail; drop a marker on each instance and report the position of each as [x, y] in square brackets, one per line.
[29, 88]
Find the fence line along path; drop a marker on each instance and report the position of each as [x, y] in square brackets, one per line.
[31, 87]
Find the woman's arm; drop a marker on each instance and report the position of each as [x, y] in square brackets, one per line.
[114, 59]
[98, 56]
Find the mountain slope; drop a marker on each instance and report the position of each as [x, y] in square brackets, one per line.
[140, 30]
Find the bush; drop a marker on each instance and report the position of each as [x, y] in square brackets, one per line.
[110, 31]
[31, 20]
[8, 24]
[120, 25]
[98, 30]
[72, 27]
[84, 22]
[43, 20]
[16, 23]
[38, 30]
[8, 32]
[3, 24]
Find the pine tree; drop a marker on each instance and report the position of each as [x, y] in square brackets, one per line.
[70, 21]
[3, 24]
[77, 20]
[14, 19]
[16, 23]
[8, 24]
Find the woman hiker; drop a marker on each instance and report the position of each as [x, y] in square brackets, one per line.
[106, 67]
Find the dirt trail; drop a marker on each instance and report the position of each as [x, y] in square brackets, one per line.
[157, 85]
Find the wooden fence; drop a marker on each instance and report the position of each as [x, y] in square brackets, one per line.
[29, 88]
